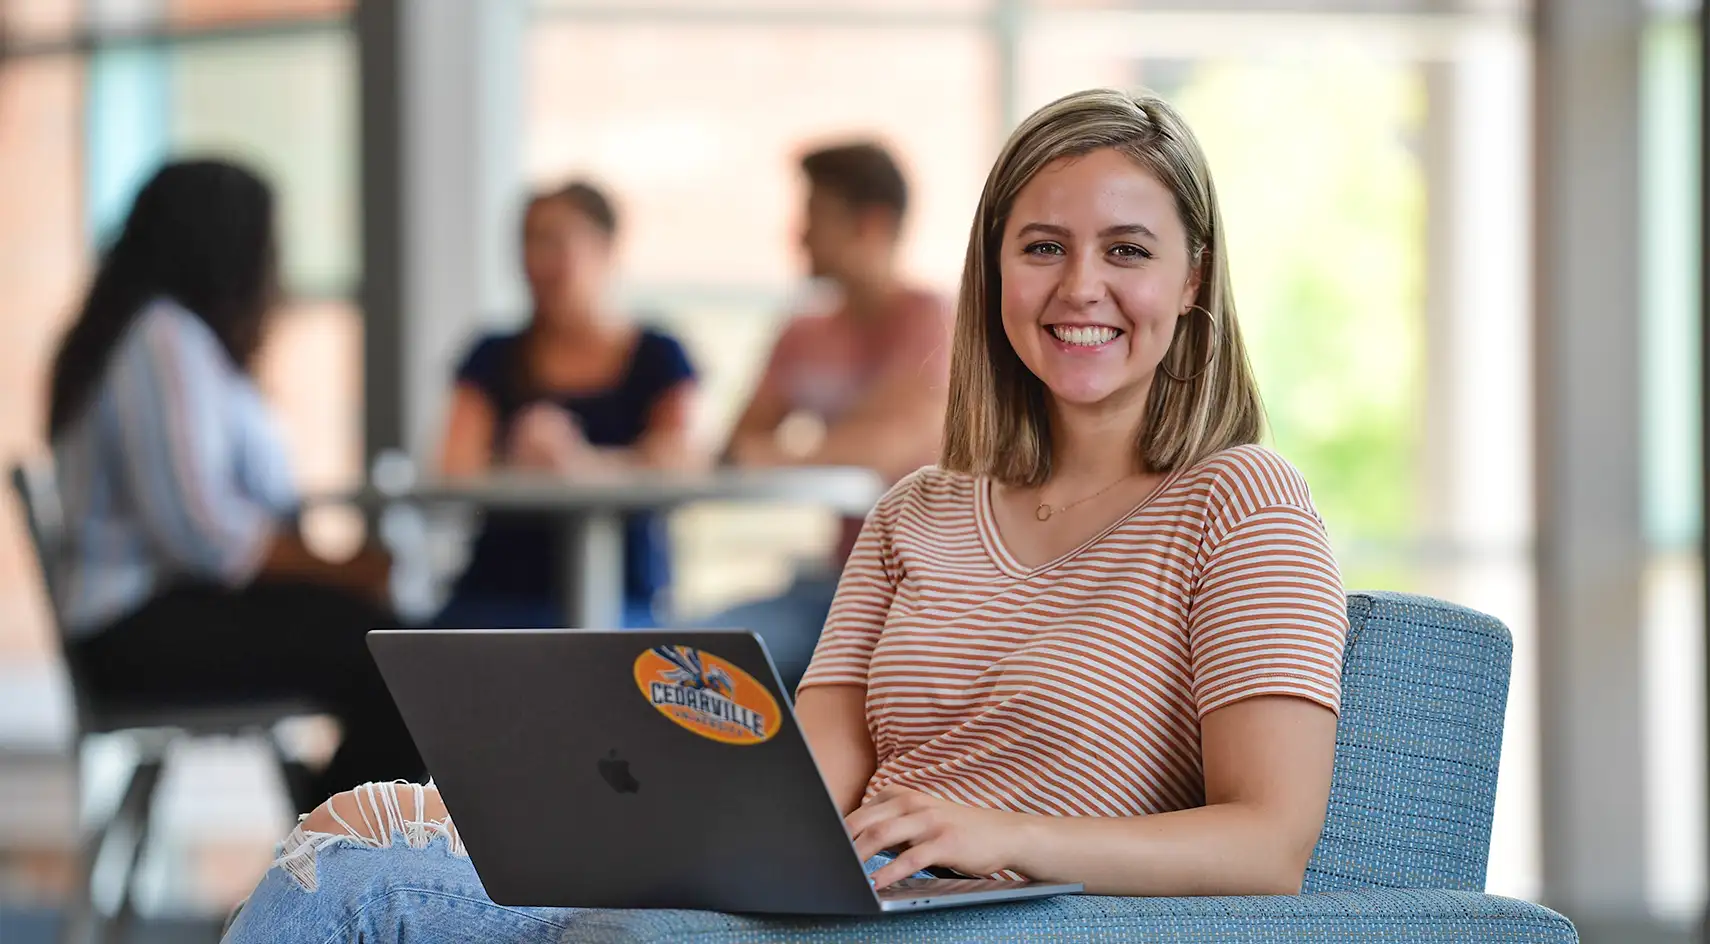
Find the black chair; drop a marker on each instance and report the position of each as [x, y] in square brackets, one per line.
[152, 727]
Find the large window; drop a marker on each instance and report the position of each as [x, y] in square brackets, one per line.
[288, 106]
[1674, 575]
[283, 104]
[1330, 272]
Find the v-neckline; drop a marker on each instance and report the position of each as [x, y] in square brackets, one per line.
[986, 524]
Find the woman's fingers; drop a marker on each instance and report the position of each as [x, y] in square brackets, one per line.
[900, 832]
[870, 812]
[908, 862]
[545, 436]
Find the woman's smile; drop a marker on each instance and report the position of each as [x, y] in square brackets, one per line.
[1074, 338]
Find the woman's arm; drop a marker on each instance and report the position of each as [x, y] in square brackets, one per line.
[467, 449]
[754, 439]
[1267, 784]
[666, 443]
[833, 718]
[367, 575]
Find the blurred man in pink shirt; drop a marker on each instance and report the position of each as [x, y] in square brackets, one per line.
[873, 371]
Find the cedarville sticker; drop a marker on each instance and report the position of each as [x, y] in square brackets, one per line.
[707, 695]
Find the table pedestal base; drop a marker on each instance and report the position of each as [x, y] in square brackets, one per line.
[593, 570]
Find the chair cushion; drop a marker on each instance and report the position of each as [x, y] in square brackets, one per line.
[1362, 916]
[1424, 688]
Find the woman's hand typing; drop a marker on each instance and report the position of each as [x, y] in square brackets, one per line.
[928, 831]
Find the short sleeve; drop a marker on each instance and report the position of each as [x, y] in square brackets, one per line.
[486, 364]
[1268, 616]
[667, 363]
[863, 600]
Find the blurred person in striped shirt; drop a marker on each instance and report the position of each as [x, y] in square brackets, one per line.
[183, 578]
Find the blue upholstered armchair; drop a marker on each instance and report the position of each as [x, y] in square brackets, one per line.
[1402, 857]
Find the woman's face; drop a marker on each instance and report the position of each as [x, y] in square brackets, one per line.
[566, 256]
[1095, 271]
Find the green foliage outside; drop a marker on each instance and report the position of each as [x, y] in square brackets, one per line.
[1323, 195]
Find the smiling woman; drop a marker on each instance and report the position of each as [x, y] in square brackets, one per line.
[1072, 290]
[1100, 643]
[1104, 248]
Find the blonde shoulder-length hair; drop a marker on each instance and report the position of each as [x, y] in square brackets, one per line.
[1203, 397]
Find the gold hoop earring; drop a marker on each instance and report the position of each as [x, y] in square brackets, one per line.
[1211, 347]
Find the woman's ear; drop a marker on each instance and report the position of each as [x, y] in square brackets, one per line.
[1190, 288]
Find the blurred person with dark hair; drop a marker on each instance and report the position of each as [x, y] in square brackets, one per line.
[873, 372]
[183, 578]
[580, 392]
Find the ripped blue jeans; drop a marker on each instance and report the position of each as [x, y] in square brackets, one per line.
[391, 875]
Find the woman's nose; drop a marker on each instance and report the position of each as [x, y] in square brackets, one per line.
[1082, 284]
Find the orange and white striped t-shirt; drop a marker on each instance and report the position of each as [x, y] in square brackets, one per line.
[1076, 688]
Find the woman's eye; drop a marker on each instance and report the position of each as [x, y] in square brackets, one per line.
[1129, 251]
[1043, 249]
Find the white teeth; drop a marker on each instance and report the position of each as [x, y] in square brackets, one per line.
[1084, 335]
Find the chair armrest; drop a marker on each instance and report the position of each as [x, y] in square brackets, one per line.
[1357, 917]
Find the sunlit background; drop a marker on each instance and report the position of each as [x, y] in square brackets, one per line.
[1375, 160]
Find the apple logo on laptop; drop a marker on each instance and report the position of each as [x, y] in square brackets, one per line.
[615, 771]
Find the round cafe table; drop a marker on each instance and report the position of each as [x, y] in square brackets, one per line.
[589, 513]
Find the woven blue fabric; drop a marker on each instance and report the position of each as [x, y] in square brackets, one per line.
[1424, 687]
[1402, 856]
[1368, 917]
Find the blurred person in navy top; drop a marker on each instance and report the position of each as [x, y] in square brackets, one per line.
[580, 392]
[183, 579]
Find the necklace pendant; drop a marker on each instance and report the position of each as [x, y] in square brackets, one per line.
[1043, 512]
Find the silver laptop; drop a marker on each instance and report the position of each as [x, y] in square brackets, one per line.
[638, 769]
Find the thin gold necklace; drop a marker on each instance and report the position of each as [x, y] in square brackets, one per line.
[1045, 511]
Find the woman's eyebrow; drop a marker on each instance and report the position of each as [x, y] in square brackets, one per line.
[1128, 229]
[1061, 232]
